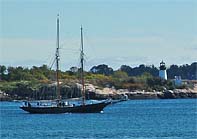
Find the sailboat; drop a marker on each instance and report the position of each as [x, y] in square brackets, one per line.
[61, 106]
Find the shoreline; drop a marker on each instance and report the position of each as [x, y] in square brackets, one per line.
[96, 93]
[135, 95]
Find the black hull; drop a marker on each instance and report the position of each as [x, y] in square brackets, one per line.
[89, 108]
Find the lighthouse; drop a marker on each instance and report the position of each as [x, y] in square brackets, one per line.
[162, 71]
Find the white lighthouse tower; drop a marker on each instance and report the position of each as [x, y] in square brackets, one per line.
[162, 71]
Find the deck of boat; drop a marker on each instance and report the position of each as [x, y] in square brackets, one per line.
[88, 108]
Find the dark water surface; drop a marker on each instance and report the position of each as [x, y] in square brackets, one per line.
[134, 119]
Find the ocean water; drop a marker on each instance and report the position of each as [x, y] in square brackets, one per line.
[134, 119]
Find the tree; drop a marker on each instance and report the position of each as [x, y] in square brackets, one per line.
[126, 69]
[120, 75]
[193, 71]
[2, 72]
[2, 69]
[102, 69]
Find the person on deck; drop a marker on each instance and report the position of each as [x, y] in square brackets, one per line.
[63, 104]
[29, 105]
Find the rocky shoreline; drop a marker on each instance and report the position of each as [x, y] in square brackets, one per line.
[167, 94]
[141, 94]
[93, 92]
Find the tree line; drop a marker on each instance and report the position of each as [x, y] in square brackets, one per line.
[27, 82]
[45, 73]
[185, 71]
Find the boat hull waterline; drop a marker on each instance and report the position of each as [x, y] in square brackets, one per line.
[88, 108]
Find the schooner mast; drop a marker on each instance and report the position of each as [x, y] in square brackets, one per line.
[57, 57]
[82, 68]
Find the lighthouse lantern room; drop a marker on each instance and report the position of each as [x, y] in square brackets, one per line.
[162, 71]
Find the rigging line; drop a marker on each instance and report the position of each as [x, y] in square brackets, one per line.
[68, 44]
[52, 63]
[51, 60]
[68, 51]
[84, 59]
[46, 59]
[90, 47]
[61, 46]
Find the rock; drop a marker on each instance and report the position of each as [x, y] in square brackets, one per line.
[4, 96]
[169, 94]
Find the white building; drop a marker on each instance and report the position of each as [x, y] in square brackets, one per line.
[178, 81]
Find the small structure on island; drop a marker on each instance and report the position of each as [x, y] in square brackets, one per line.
[74, 69]
[162, 71]
[177, 80]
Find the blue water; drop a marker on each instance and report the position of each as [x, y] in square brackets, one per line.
[134, 119]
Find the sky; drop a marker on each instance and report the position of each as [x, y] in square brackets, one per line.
[116, 32]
